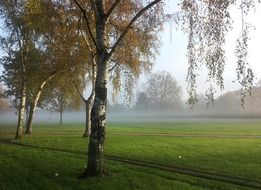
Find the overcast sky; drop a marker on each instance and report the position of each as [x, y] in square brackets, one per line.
[172, 56]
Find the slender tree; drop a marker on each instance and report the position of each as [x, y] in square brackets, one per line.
[60, 96]
[88, 102]
[106, 36]
[16, 44]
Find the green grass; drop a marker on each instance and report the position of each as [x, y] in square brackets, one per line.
[32, 168]
[23, 168]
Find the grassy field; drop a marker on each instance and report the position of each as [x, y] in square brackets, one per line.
[54, 156]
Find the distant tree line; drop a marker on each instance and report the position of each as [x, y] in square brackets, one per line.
[229, 104]
[225, 105]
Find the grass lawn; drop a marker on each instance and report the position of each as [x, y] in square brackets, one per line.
[232, 149]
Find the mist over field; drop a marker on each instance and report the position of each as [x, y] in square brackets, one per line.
[227, 107]
[142, 116]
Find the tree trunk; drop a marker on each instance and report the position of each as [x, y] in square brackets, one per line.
[87, 131]
[31, 112]
[29, 122]
[61, 117]
[21, 109]
[34, 103]
[98, 118]
[27, 105]
[88, 107]
[95, 165]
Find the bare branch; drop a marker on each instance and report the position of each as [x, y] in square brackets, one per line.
[87, 43]
[86, 20]
[78, 90]
[113, 67]
[112, 9]
[138, 15]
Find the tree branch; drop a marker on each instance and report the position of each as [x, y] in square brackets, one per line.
[78, 90]
[87, 21]
[113, 67]
[87, 43]
[138, 15]
[109, 13]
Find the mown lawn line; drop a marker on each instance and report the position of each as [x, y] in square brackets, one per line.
[240, 181]
[190, 172]
[185, 135]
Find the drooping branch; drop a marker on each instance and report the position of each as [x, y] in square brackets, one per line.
[87, 21]
[245, 74]
[123, 34]
[206, 23]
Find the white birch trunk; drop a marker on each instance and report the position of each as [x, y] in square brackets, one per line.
[21, 110]
[32, 108]
[33, 104]
[98, 120]
[95, 165]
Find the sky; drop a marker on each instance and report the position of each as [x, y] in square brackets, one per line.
[172, 56]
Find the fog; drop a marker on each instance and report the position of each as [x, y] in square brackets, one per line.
[48, 117]
[226, 108]
[134, 116]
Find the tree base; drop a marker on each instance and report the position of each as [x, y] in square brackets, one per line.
[18, 137]
[85, 135]
[28, 132]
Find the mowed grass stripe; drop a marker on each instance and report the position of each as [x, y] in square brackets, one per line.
[191, 172]
[160, 134]
[181, 170]
[182, 135]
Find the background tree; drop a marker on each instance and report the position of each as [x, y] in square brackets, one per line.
[61, 98]
[81, 88]
[142, 101]
[4, 105]
[162, 91]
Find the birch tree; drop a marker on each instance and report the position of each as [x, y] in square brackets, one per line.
[107, 26]
[51, 35]
[16, 45]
